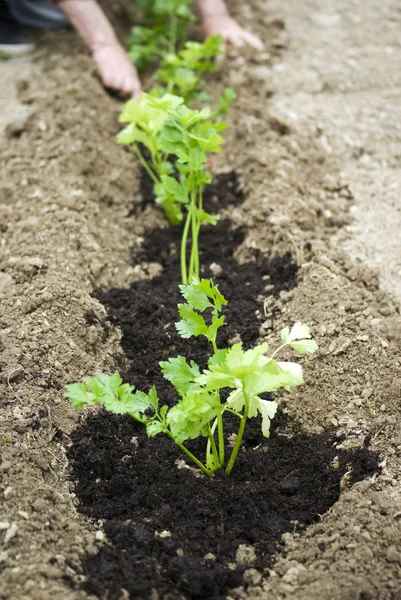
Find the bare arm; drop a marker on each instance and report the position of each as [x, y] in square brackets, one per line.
[91, 24]
[216, 19]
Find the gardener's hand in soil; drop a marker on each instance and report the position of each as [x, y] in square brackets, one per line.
[115, 68]
[216, 20]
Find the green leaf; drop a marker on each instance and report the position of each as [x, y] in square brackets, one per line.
[174, 188]
[268, 410]
[181, 374]
[191, 324]
[117, 397]
[292, 374]
[299, 338]
[79, 395]
[197, 159]
[110, 382]
[284, 333]
[205, 217]
[304, 346]
[203, 294]
[154, 427]
[241, 363]
[188, 418]
[299, 332]
[217, 322]
[217, 358]
[153, 398]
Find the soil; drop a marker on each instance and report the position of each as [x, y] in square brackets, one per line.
[313, 512]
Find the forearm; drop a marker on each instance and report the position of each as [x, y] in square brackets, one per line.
[90, 22]
[209, 8]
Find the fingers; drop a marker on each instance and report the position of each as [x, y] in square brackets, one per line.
[126, 86]
[253, 40]
[116, 71]
[238, 39]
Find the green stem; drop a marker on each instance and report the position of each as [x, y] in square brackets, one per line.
[145, 165]
[214, 448]
[278, 350]
[192, 260]
[198, 463]
[184, 241]
[220, 433]
[239, 438]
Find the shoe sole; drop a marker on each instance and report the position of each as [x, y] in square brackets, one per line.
[15, 50]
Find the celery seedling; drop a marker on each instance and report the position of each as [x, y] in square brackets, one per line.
[167, 32]
[168, 128]
[200, 407]
[182, 73]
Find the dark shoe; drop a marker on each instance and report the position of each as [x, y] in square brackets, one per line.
[13, 41]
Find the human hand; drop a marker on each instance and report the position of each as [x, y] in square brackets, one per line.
[116, 70]
[230, 30]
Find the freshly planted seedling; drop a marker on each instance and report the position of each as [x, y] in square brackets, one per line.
[200, 407]
[182, 73]
[167, 32]
[168, 129]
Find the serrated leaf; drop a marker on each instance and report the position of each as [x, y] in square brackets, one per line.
[304, 346]
[196, 294]
[203, 294]
[153, 398]
[205, 217]
[217, 358]
[299, 332]
[217, 322]
[292, 374]
[79, 395]
[191, 324]
[111, 382]
[188, 418]
[284, 333]
[154, 428]
[174, 188]
[181, 374]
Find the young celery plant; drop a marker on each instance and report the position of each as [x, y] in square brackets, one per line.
[166, 34]
[200, 408]
[168, 129]
[182, 73]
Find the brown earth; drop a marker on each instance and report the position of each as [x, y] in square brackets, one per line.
[71, 219]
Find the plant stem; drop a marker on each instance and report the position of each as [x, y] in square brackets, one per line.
[277, 350]
[214, 448]
[220, 433]
[145, 165]
[184, 241]
[239, 438]
[194, 259]
[198, 463]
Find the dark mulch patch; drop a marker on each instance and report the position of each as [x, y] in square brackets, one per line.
[134, 486]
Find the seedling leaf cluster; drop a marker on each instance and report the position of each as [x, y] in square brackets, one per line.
[178, 140]
[201, 403]
[173, 142]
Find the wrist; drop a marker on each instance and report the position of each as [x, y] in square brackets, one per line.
[101, 43]
[210, 9]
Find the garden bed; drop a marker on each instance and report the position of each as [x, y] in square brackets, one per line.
[88, 282]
